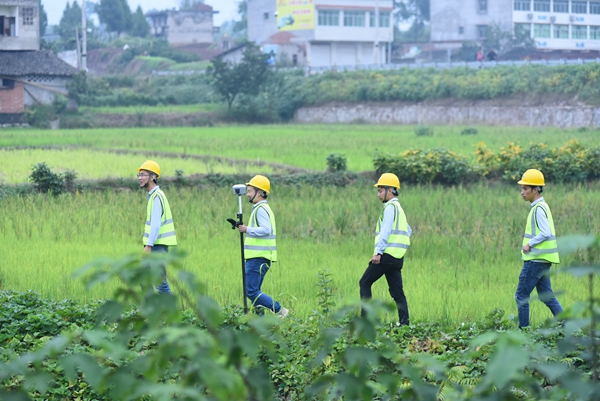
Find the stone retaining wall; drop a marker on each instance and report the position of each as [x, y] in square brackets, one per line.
[418, 114]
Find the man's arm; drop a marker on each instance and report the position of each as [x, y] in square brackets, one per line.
[264, 224]
[155, 220]
[544, 226]
[385, 229]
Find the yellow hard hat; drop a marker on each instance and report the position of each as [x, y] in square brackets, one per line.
[532, 177]
[388, 180]
[261, 182]
[152, 166]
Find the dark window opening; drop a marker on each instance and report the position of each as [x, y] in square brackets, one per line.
[7, 83]
[294, 59]
[7, 26]
[461, 30]
[27, 15]
[266, 15]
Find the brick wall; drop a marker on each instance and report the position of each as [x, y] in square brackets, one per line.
[12, 100]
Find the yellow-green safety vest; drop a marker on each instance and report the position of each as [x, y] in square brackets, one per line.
[398, 240]
[261, 246]
[166, 233]
[547, 250]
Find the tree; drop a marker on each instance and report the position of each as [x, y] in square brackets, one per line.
[139, 24]
[43, 19]
[240, 27]
[417, 11]
[247, 77]
[504, 41]
[70, 19]
[189, 4]
[116, 14]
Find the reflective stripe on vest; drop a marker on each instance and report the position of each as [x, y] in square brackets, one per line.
[547, 250]
[166, 233]
[256, 246]
[398, 240]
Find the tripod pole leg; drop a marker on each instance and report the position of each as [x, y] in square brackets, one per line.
[244, 274]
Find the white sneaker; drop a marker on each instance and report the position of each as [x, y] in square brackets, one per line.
[283, 312]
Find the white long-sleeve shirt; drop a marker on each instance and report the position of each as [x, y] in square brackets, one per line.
[264, 223]
[155, 218]
[385, 228]
[543, 224]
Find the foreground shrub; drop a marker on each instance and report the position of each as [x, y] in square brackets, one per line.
[141, 345]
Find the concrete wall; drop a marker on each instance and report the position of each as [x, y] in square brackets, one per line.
[43, 89]
[556, 116]
[190, 27]
[27, 27]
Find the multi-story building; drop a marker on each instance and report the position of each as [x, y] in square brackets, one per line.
[344, 33]
[554, 24]
[28, 76]
[181, 27]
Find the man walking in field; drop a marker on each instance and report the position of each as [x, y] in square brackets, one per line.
[392, 239]
[159, 230]
[539, 249]
[260, 249]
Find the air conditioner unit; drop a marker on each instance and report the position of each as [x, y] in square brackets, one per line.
[552, 19]
[572, 18]
[530, 16]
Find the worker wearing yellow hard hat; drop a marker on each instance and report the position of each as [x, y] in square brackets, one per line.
[539, 249]
[159, 230]
[392, 239]
[260, 246]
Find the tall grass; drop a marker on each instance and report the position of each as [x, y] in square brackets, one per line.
[304, 146]
[464, 259]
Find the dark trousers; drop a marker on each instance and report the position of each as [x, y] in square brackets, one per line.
[392, 269]
[164, 287]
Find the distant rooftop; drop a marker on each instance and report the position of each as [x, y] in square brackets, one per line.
[41, 62]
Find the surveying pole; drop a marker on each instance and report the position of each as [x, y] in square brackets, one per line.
[239, 190]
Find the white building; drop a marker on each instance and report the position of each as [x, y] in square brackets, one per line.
[180, 27]
[554, 24]
[344, 33]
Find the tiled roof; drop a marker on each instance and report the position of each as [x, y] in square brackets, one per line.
[41, 62]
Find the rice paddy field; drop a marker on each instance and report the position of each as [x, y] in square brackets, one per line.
[464, 260]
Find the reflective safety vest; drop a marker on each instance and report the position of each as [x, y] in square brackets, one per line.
[547, 250]
[166, 233]
[256, 246]
[398, 240]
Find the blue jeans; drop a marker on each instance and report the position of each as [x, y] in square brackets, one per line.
[256, 270]
[164, 287]
[535, 275]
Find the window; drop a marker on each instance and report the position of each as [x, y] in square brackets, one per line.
[561, 31]
[595, 32]
[481, 30]
[541, 30]
[522, 5]
[541, 5]
[579, 32]
[7, 26]
[27, 15]
[461, 30]
[594, 7]
[579, 7]
[384, 19]
[329, 18]
[7, 83]
[266, 16]
[482, 6]
[522, 30]
[561, 6]
[354, 18]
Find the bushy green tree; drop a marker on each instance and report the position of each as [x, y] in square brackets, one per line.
[43, 19]
[139, 24]
[116, 14]
[418, 13]
[247, 77]
[71, 18]
[504, 41]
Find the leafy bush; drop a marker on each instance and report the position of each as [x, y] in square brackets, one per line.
[431, 166]
[44, 180]
[469, 131]
[144, 342]
[423, 131]
[336, 162]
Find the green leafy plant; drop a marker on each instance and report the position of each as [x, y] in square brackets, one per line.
[336, 162]
[469, 131]
[423, 130]
[46, 181]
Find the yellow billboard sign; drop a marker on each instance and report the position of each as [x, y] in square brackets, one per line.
[294, 15]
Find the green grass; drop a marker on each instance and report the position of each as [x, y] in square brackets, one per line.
[193, 66]
[304, 146]
[184, 108]
[95, 164]
[464, 260]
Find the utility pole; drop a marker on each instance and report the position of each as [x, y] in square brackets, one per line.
[83, 37]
